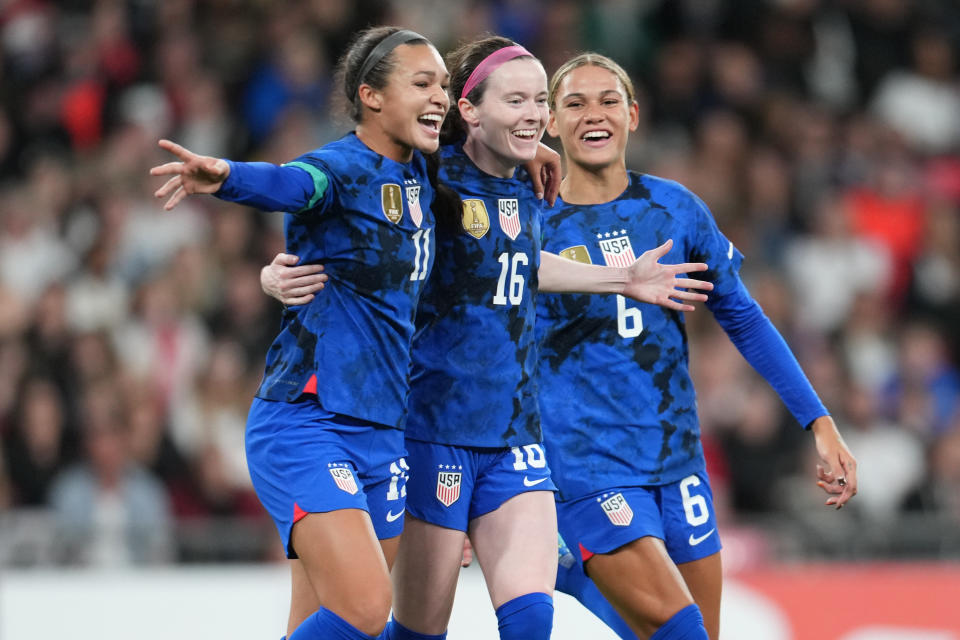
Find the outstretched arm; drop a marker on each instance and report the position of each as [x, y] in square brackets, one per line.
[291, 285]
[292, 187]
[646, 280]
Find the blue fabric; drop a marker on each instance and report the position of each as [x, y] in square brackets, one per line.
[572, 581]
[373, 231]
[451, 485]
[686, 624]
[396, 631]
[326, 625]
[529, 617]
[473, 380]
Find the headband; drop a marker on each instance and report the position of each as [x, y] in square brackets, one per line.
[490, 64]
[383, 48]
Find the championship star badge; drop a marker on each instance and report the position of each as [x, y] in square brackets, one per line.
[509, 216]
[578, 253]
[476, 222]
[413, 204]
[448, 486]
[617, 509]
[391, 203]
[343, 476]
[616, 248]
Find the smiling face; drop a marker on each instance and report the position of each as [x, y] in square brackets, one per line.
[407, 113]
[593, 117]
[504, 129]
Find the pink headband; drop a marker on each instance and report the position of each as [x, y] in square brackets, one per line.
[490, 64]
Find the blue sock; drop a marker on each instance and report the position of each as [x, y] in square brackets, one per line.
[529, 617]
[686, 624]
[326, 625]
[572, 581]
[396, 631]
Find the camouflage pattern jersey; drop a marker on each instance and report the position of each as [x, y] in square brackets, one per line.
[474, 355]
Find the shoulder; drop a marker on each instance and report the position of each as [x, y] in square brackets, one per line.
[663, 191]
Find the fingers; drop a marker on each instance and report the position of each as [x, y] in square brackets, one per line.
[537, 178]
[296, 301]
[689, 267]
[168, 187]
[306, 287]
[303, 270]
[552, 181]
[175, 199]
[167, 169]
[689, 296]
[176, 149]
[690, 283]
[661, 251]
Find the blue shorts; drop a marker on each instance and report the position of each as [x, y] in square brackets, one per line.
[304, 459]
[451, 485]
[680, 513]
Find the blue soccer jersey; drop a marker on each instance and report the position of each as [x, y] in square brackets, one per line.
[368, 220]
[474, 355]
[618, 405]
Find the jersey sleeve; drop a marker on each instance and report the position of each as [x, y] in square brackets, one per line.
[296, 187]
[747, 326]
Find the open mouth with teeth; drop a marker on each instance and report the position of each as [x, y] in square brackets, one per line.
[596, 138]
[431, 121]
[525, 134]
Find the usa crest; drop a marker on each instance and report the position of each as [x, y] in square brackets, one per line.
[413, 204]
[343, 476]
[448, 487]
[509, 216]
[476, 222]
[616, 248]
[391, 203]
[617, 510]
[578, 253]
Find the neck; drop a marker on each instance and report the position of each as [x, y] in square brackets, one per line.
[383, 143]
[487, 161]
[593, 185]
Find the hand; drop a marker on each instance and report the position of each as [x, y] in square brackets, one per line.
[837, 475]
[290, 284]
[650, 281]
[467, 553]
[192, 174]
[545, 173]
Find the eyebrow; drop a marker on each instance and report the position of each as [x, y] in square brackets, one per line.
[603, 93]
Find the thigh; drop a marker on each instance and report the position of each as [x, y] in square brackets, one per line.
[641, 582]
[704, 578]
[425, 575]
[343, 562]
[516, 546]
[505, 473]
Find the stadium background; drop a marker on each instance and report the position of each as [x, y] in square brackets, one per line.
[824, 135]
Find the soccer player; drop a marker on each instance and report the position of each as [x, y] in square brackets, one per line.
[327, 459]
[618, 406]
[475, 452]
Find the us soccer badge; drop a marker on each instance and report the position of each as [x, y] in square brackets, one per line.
[617, 509]
[448, 485]
[343, 476]
[509, 216]
[413, 202]
[616, 248]
[578, 253]
[476, 222]
[391, 203]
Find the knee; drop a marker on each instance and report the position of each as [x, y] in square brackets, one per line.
[368, 612]
[529, 617]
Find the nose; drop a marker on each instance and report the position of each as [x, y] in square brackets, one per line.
[593, 114]
[441, 97]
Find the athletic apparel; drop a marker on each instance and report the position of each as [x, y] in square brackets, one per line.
[326, 625]
[619, 407]
[680, 513]
[304, 459]
[527, 617]
[686, 624]
[474, 354]
[451, 485]
[368, 220]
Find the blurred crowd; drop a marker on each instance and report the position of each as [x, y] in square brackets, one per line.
[823, 134]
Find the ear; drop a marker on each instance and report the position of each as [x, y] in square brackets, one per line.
[370, 97]
[634, 116]
[552, 128]
[468, 112]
